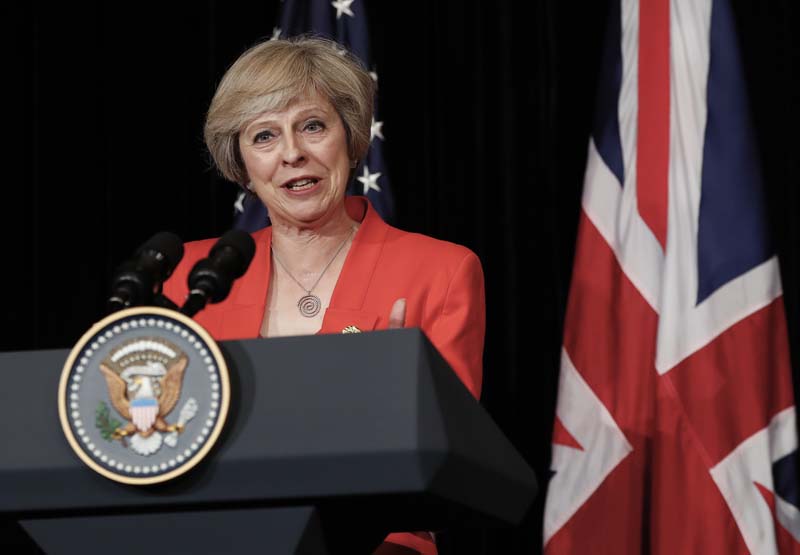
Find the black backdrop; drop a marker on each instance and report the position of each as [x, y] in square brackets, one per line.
[487, 109]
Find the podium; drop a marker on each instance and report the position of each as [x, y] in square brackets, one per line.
[332, 442]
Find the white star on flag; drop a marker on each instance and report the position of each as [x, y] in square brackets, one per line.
[376, 130]
[343, 6]
[370, 180]
[239, 204]
[276, 33]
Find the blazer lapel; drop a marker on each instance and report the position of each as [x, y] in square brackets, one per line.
[347, 301]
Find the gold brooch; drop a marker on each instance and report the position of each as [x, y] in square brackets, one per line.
[351, 329]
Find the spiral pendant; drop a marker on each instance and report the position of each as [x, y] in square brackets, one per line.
[309, 305]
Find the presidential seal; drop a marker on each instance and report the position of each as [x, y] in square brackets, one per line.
[143, 395]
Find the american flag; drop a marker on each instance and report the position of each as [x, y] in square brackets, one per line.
[675, 426]
[344, 21]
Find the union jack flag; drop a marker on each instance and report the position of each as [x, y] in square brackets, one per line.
[675, 426]
[344, 21]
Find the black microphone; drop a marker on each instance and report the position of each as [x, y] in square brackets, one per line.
[138, 280]
[211, 278]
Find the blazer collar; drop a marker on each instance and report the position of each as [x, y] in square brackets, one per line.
[362, 258]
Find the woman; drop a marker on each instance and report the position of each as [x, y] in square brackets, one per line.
[290, 122]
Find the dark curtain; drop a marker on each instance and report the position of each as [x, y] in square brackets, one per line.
[487, 109]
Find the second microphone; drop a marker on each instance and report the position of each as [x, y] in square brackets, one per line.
[211, 278]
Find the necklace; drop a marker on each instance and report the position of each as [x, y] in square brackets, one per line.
[309, 304]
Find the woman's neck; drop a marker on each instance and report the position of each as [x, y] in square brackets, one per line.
[308, 249]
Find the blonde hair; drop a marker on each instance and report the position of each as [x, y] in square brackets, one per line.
[275, 73]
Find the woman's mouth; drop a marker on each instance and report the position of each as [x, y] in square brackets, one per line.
[302, 184]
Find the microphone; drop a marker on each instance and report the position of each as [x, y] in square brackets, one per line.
[211, 278]
[138, 280]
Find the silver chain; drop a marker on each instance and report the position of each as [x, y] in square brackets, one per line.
[322, 273]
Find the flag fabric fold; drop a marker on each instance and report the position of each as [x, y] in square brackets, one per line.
[344, 21]
[675, 426]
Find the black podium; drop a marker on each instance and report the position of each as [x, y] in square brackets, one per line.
[332, 442]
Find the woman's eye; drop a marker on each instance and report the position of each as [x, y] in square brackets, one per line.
[263, 136]
[314, 126]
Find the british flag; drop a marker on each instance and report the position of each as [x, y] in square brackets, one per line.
[675, 426]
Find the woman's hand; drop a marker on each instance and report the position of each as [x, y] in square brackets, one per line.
[397, 316]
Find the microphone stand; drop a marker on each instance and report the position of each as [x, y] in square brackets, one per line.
[195, 302]
[163, 301]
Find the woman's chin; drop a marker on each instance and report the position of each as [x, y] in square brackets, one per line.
[306, 208]
[308, 215]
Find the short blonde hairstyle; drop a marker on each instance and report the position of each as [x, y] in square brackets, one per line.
[275, 73]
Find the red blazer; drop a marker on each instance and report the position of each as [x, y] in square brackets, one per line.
[442, 283]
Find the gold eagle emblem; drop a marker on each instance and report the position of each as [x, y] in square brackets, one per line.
[144, 378]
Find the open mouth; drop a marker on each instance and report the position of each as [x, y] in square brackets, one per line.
[301, 184]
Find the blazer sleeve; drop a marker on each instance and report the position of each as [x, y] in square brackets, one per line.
[458, 331]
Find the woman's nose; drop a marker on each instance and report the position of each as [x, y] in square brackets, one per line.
[293, 151]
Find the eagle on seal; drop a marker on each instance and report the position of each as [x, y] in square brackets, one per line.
[144, 394]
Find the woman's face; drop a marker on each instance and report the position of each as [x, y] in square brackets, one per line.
[297, 161]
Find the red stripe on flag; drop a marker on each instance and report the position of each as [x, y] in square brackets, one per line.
[688, 514]
[612, 520]
[610, 332]
[652, 162]
[786, 543]
[735, 385]
[562, 437]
